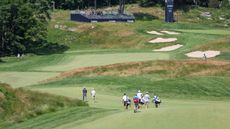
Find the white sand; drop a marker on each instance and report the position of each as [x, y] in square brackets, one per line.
[154, 32]
[200, 54]
[72, 29]
[170, 32]
[169, 48]
[163, 40]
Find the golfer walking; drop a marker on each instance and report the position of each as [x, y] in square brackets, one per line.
[93, 94]
[84, 94]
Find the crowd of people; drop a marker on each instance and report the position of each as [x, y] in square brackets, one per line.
[139, 99]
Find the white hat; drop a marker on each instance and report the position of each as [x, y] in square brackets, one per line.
[139, 91]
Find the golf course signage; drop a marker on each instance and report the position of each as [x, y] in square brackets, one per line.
[169, 11]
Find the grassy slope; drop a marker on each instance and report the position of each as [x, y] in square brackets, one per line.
[124, 35]
[131, 39]
[172, 114]
[181, 79]
[18, 105]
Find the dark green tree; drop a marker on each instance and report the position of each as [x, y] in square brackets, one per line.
[23, 25]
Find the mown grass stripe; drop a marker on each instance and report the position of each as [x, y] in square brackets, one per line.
[59, 118]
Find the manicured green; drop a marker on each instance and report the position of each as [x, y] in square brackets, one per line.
[22, 79]
[75, 61]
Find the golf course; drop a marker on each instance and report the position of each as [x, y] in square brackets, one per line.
[116, 58]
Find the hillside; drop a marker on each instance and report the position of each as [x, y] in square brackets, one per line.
[117, 58]
[18, 105]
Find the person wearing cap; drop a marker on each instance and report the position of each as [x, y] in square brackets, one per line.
[157, 101]
[93, 94]
[146, 99]
[139, 95]
[84, 94]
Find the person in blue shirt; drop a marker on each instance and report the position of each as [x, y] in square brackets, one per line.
[84, 94]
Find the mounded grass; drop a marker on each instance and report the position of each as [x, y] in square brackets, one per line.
[104, 99]
[181, 79]
[18, 105]
[183, 87]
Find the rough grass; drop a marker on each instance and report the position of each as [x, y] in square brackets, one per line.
[165, 69]
[18, 105]
[181, 87]
[128, 35]
[209, 31]
[181, 79]
[222, 45]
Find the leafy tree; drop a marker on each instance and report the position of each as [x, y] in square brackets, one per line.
[225, 4]
[23, 25]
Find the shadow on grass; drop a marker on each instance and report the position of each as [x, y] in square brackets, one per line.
[145, 16]
[51, 48]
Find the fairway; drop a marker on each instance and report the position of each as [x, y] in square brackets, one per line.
[71, 61]
[172, 114]
[22, 79]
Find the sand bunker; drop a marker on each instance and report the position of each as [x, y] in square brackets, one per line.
[169, 48]
[200, 54]
[170, 32]
[154, 32]
[163, 40]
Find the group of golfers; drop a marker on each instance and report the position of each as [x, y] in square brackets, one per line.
[139, 100]
[84, 94]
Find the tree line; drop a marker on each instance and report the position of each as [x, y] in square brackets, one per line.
[82, 4]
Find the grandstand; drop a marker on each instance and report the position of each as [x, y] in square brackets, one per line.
[100, 17]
